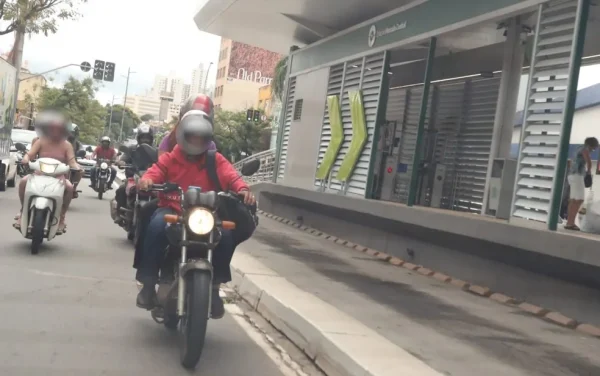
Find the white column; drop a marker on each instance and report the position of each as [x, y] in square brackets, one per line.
[512, 68]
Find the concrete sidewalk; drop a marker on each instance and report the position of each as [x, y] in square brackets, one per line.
[357, 315]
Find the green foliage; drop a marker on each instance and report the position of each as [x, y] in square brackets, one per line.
[129, 124]
[278, 83]
[235, 135]
[76, 100]
[37, 16]
[146, 117]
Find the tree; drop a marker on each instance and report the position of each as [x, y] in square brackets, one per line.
[146, 117]
[237, 137]
[37, 16]
[76, 100]
[278, 83]
[129, 124]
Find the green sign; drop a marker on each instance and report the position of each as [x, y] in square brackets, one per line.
[337, 137]
[420, 19]
[359, 136]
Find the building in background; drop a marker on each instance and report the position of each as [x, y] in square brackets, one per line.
[142, 105]
[198, 77]
[242, 69]
[30, 89]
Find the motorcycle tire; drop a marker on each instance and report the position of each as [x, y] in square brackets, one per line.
[193, 325]
[37, 230]
[100, 189]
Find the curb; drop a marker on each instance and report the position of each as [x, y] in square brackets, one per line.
[337, 343]
[482, 291]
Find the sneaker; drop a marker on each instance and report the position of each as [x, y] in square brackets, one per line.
[217, 307]
[146, 298]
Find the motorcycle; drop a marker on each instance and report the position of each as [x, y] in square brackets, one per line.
[128, 216]
[102, 176]
[185, 283]
[43, 201]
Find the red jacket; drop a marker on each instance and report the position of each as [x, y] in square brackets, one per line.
[174, 167]
[102, 153]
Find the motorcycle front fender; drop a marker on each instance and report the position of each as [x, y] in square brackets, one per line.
[42, 203]
[203, 265]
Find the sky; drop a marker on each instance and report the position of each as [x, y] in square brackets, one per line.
[150, 36]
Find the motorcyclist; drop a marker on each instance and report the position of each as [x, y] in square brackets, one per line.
[74, 140]
[104, 151]
[145, 135]
[53, 131]
[182, 166]
[195, 102]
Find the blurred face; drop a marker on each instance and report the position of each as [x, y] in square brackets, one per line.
[195, 140]
[56, 131]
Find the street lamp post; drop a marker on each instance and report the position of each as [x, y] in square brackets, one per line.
[112, 105]
[129, 72]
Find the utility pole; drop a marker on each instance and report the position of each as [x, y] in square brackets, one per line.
[129, 72]
[17, 61]
[112, 104]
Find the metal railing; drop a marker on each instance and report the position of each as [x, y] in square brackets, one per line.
[267, 167]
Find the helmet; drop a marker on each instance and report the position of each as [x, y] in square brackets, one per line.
[73, 132]
[105, 140]
[145, 130]
[200, 102]
[50, 118]
[196, 123]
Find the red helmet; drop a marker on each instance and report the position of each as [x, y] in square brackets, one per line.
[200, 102]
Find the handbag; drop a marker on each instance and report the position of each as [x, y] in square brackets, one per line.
[587, 180]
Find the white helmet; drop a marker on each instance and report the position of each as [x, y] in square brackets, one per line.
[196, 123]
[105, 139]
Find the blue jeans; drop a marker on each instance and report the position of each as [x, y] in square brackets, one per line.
[155, 243]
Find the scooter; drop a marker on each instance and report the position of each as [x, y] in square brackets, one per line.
[43, 201]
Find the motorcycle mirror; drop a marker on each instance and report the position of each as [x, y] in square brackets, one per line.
[80, 154]
[20, 147]
[249, 168]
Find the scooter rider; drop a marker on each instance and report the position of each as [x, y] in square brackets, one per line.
[104, 151]
[185, 166]
[145, 135]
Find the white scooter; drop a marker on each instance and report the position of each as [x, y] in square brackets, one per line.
[43, 201]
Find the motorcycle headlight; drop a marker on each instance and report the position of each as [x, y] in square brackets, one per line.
[201, 221]
[48, 168]
[103, 166]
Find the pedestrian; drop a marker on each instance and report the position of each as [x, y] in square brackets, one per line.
[579, 171]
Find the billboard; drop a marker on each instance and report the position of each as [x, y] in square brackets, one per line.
[8, 74]
[251, 63]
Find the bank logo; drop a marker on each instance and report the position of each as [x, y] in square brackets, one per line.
[372, 35]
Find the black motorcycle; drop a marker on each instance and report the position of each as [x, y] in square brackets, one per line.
[102, 177]
[185, 284]
[128, 217]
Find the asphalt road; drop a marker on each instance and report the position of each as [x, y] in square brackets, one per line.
[70, 310]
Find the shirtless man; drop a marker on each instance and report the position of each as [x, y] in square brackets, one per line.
[53, 130]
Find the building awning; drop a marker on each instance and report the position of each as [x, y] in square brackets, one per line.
[276, 25]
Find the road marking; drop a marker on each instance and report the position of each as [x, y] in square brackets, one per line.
[82, 278]
[278, 355]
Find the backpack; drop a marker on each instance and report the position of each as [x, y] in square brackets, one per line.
[236, 211]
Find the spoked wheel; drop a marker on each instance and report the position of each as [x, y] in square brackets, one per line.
[38, 223]
[193, 324]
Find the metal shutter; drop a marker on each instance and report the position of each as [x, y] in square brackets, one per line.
[475, 141]
[361, 74]
[334, 87]
[289, 109]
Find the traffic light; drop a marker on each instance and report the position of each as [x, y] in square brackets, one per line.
[98, 70]
[256, 117]
[109, 72]
[249, 115]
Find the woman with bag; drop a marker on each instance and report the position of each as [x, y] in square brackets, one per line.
[580, 178]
